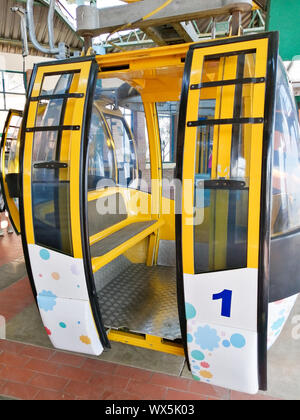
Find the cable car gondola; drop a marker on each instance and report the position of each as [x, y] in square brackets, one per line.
[192, 257]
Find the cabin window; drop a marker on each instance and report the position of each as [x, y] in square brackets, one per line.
[125, 149]
[121, 108]
[286, 160]
[101, 161]
[167, 113]
[51, 186]
[222, 163]
[12, 145]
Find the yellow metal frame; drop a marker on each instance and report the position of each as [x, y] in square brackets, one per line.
[261, 47]
[12, 207]
[146, 341]
[142, 68]
[99, 262]
[74, 117]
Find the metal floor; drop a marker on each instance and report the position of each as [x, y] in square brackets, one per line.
[143, 300]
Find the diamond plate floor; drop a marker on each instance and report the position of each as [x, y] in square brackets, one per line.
[144, 300]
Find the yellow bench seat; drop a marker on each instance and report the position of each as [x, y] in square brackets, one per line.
[115, 244]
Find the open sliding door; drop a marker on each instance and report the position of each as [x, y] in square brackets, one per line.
[52, 206]
[225, 140]
[10, 173]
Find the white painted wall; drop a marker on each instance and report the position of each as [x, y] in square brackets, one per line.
[14, 62]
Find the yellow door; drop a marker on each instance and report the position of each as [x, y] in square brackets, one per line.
[52, 207]
[10, 171]
[226, 126]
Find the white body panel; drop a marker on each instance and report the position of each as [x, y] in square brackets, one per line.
[63, 301]
[278, 314]
[223, 350]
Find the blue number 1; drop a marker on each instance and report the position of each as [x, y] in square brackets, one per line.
[226, 297]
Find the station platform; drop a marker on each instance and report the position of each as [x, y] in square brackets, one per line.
[30, 369]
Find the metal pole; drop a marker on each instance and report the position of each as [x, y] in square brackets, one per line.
[22, 13]
[31, 29]
[50, 24]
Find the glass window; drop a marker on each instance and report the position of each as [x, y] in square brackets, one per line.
[12, 93]
[2, 102]
[15, 101]
[56, 84]
[3, 116]
[286, 160]
[51, 187]
[101, 161]
[49, 112]
[125, 150]
[167, 113]
[222, 166]
[14, 82]
[15, 121]
[13, 145]
[122, 109]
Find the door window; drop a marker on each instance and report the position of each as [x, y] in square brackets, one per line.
[50, 168]
[101, 160]
[222, 162]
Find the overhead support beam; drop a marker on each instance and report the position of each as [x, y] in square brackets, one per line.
[101, 21]
[186, 31]
[154, 34]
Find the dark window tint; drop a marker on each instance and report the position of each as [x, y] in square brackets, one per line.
[167, 113]
[222, 165]
[51, 187]
[122, 108]
[286, 160]
[125, 150]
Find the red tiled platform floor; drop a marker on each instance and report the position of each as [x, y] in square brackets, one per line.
[33, 373]
[28, 372]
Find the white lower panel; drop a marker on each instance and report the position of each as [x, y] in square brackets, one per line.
[278, 314]
[223, 356]
[221, 311]
[63, 301]
[69, 324]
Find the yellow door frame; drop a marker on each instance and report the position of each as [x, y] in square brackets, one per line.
[9, 201]
[261, 48]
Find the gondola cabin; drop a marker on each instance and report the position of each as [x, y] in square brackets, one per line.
[159, 203]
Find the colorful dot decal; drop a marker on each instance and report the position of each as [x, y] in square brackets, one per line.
[48, 331]
[62, 325]
[205, 365]
[55, 276]
[46, 300]
[198, 355]
[206, 374]
[85, 340]
[207, 338]
[44, 254]
[189, 338]
[226, 343]
[75, 270]
[190, 311]
[238, 341]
